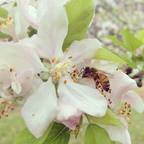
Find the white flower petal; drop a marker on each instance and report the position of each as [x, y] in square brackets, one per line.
[53, 30]
[84, 98]
[120, 84]
[29, 12]
[19, 57]
[84, 49]
[34, 11]
[36, 44]
[16, 87]
[108, 67]
[118, 134]
[20, 24]
[135, 100]
[29, 82]
[40, 109]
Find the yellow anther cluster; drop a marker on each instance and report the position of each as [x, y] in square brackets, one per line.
[126, 110]
[56, 75]
[4, 23]
[59, 69]
[62, 66]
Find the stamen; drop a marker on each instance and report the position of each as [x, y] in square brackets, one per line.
[60, 69]
[56, 75]
[54, 60]
[100, 78]
[125, 110]
[6, 22]
[65, 81]
[75, 75]
[11, 70]
[5, 108]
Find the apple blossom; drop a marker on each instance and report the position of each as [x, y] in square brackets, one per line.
[60, 85]
[61, 97]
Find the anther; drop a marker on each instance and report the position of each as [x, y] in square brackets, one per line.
[65, 81]
[11, 69]
[53, 61]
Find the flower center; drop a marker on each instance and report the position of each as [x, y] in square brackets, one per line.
[57, 69]
[60, 69]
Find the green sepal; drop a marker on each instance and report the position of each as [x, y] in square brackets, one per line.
[130, 40]
[56, 134]
[4, 35]
[59, 134]
[105, 54]
[96, 135]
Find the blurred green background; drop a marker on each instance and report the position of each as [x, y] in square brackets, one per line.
[11, 126]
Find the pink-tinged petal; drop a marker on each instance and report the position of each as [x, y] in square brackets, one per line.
[120, 84]
[19, 57]
[29, 82]
[53, 30]
[118, 134]
[40, 109]
[135, 100]
[84, 98]
[5, 79]
[72, 122]
[68, 114]
[84, 49]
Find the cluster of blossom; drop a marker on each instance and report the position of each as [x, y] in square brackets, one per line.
[59, 85]
[114, 15]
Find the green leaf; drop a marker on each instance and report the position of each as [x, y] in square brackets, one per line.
[105, 54]
[25, 137]
[4, 36]
[80, 14]
[109, 119]
[56, 134]
[59, 134]
[140, 35]
[96, 135]
[3, 12]
[115, 40]
[130, 41]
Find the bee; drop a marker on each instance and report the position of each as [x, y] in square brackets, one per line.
[100, 78]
